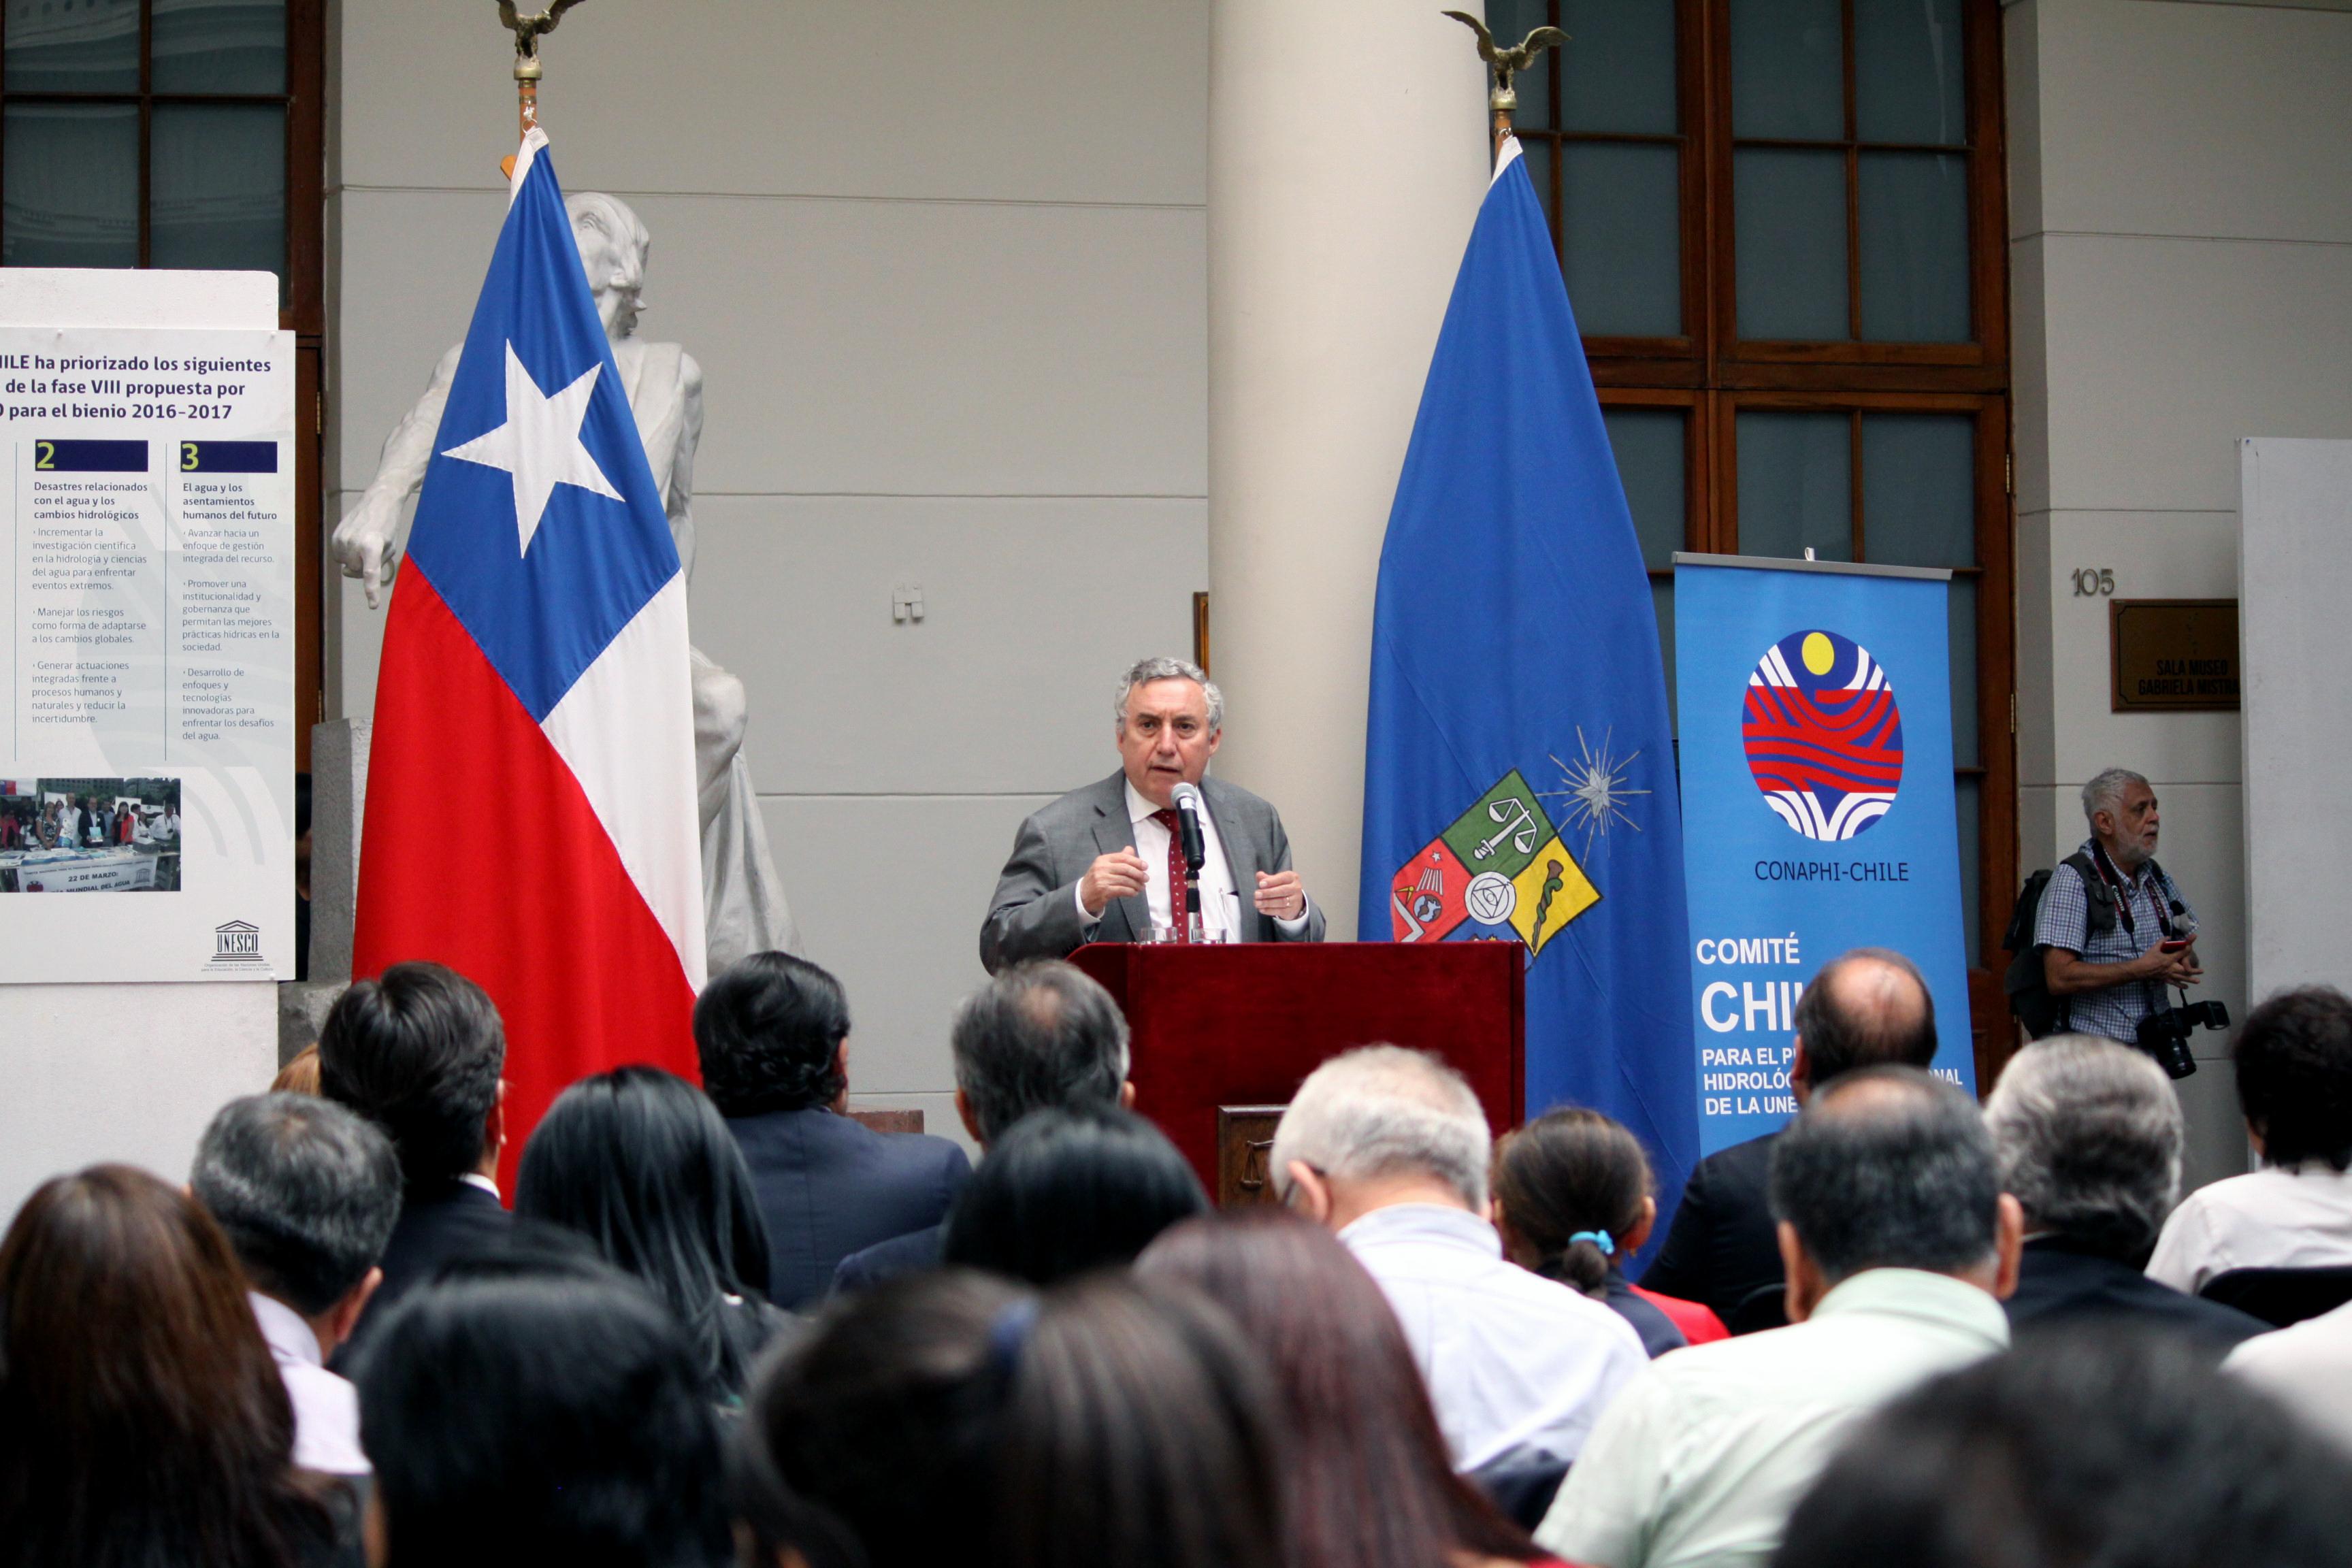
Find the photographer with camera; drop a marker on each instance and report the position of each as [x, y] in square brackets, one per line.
[2114, 932]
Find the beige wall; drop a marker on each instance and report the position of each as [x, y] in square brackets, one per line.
[2180, 244]
[944, 265]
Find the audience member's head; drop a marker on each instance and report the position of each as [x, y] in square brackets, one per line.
[1867, 1007]
[299, 1075]
[307, 1192]
[951, 1417]
[2107, 1447]
[1377, 1126]
[530, 1419]
[1574, 1189]
[2089, 1136]
[418, 1052]
[141, 1419]
[1040, 1034]
[1366, 1478]
[2294, 1058]
[769, 1031]
[1890, 1168]
[1066, 1190]
[642, 1165]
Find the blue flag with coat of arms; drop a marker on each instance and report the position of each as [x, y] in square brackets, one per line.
[1519, 778]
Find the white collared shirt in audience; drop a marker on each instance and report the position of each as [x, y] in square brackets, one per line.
[2307, 1368]
[326, 1407]
[1513, 1361]
[2276, 1218]
[1706, 1455]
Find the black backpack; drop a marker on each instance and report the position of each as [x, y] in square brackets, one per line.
[2026, 980]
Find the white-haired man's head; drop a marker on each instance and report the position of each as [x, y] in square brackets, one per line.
[1378, 1126]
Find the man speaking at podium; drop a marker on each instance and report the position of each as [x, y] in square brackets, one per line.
[1106, 863]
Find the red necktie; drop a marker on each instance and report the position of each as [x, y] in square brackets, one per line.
[1176, 908]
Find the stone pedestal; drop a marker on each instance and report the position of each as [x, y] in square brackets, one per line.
[1348, 154]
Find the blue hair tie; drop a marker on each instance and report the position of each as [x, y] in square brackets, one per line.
[1008, 1333]
[1600, 1238]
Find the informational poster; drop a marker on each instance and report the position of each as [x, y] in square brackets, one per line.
[147, 645]
[1818, 816]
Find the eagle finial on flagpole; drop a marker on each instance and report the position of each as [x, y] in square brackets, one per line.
[1504, 100]
[526, 31]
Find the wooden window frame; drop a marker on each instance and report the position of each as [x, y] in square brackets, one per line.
[302, 308]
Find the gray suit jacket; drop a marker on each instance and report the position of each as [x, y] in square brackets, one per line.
[1034, 913]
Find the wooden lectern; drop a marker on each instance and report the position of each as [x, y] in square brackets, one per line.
[1222, 1033]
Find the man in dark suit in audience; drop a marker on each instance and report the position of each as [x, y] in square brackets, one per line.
[1866, 1008]
[2089, 1134]
[1040, 1034]
[419, 1052]
[773, 1033]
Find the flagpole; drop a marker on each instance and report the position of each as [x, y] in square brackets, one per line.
[528, 31]
[1502, 98]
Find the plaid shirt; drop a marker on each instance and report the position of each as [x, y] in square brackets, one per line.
[2063, 922]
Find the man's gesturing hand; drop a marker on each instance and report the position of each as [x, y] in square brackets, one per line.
[1120, 874]
[1281, 895]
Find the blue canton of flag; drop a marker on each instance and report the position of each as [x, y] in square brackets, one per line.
[1519, 772]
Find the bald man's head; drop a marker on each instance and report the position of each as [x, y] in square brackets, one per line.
[1869, 1008]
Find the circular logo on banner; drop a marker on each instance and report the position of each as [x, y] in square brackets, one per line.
[1823, 735]
[1491, 898]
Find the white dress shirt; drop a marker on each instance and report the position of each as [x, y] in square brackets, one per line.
[1513, 1361]
[2307, 1368]
[2274, 1218]
[1221, 907]
[326, 1407]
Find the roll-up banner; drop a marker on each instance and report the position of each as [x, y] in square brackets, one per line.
[1814, 713]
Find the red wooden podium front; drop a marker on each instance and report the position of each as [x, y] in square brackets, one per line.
[1241, 1024]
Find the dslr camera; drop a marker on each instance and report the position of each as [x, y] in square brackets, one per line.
[2165, 1034]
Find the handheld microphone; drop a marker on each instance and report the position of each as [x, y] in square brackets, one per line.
[1187, 800]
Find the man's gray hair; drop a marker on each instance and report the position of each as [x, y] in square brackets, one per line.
[2105, 791]
[1143, 671]
[307, 1191]
[1888, 1168]
[1041, 1034]
[1382, 1110]
[2089, 1135]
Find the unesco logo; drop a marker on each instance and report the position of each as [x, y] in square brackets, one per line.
[1824, 736]
[237, 945]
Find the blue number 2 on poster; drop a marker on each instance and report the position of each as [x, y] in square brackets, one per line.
[1815, 713]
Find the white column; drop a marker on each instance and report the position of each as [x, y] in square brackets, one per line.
[1347, 158]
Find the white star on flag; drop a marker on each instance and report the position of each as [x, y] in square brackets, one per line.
[538, 445]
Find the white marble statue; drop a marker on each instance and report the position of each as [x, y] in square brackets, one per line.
[743, 899]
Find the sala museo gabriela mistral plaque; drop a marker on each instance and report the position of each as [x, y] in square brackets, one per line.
[147, 752]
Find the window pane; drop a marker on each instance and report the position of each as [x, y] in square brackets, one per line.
[1789, 239]
[1963, 633]
[1539, 154]
[1623, 238]
[1795, 484]
[1509, 21]
[1907, 68]
[1969, 797]
[1918, 488]
[92, 46]
[1648, 445]
[218, 186]
[1617, 69]
[1915, 247]
[1788, 70]
[220, 46]
[72, 176]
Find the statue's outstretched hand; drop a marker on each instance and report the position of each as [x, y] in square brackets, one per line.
[364, 543]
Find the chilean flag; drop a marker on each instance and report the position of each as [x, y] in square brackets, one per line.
[531, 803]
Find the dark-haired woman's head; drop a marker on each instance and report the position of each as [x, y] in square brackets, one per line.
[956, 1417]
[769, 1031]
[418, 1051]
[530, 1419]
[637, 1161]
[141, 1418]
[1574, 1190]
[2293, 1061]
[1366, 1481]
[1070, 1189]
